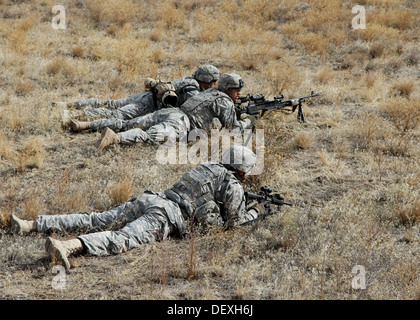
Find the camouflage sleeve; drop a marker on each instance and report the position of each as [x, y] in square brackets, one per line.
[225, 111]
[234, 209]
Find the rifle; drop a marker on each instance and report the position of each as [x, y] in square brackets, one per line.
[267, 198]
[257, 103]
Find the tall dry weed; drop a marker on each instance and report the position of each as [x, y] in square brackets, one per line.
[31, 155]
[404, 117]
[401, 18]
[324, 75]
[208, 31]
[315, 43]
[120, 191]
[408, 214]
[112, 11]
[172, 15]
[32, 206]
[303, 140]
[131, 55]
[282, 75]
[367, 128]
[7, 151]
[17, 40]
[403, 87]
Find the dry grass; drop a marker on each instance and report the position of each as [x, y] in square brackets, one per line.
[303, 140]
[121, 191]
[351, 171]
[31, 155]
[403, 87]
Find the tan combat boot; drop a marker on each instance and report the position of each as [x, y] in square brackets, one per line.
[80, 125]
[61, 250]
[108, 137]
[20, 226]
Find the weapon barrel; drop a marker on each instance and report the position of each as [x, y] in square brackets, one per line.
[272, 199]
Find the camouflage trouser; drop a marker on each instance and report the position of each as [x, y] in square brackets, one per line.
[127, 112]
[168, 122]
[125, 108]
[91, 102]
[146, 218]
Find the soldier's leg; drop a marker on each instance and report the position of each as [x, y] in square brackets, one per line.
[175, 123]
[145, 121]
[94, 221]
[99, 113]
[154, 225]
[133, 136]
[115, 104]
[161, 125]
[93, 102]
[127, 112]
[122, 125]
[132, 110]
[114, 124]
[129, 137]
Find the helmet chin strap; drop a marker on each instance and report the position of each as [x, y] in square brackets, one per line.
[239, 174]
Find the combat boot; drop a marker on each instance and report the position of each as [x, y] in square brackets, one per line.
[80, 125]
[108, 137]
[20, 226]
[61, 250]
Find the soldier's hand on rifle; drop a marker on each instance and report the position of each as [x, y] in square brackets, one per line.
[252, 119]
[258, 207]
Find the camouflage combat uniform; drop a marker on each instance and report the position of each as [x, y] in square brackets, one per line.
[212, 103]
[152, 127]
[186, 88]
[213, 195]
[198, 112]
[210, 193]
[146, 218]
[139, 104]
[125, 108]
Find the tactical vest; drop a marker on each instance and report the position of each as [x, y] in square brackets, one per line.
[183, 86]
[196, 192]
[198, 108]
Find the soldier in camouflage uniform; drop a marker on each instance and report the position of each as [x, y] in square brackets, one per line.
[151, 128]
[198, 112]
[206, 76]
[210, 195]
[217, 103]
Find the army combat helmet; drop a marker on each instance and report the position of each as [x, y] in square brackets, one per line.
[206, 73]
[239, 158]
[230, 81]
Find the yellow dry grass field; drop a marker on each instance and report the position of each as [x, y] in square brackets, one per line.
[352, 171]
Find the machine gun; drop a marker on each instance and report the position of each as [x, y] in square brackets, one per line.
[267, 198]
[257, 103]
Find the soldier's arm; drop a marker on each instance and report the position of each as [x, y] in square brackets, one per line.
[234, 206]
[225, 111]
